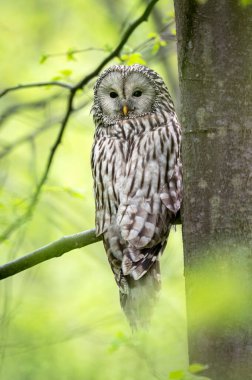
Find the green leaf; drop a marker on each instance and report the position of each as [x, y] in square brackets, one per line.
[119, 340]
[163, 43]
[158, 42]
[131, 59]
[127, 49]
[43, 58]
[170, 14]
[56, 78]
[245, 3]
[153, 35]
[176, 375]
[75, 193]
[155, 48]
[124, 57]
[70, 54]
[168, 17]
[108, 48]
[66, 72]
[197, 367]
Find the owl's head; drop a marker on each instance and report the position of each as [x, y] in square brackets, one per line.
[127, 92]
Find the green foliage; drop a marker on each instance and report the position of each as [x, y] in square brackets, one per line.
[62, 319]
[120, 340]
[245, 3]
[43, 58]
[190, 374]
[63, 74]
[75, 193]
[222, 296]
[157, 42]
[169, 17]
[132, 58]
[70, 55]
[197, 367]
[177, 375]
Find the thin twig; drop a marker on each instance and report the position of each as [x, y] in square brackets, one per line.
[32, 85]
[147, 42]
[19, 221]
[29, 137]
[16, 108]
[69, 110]
[8, 148]
[73, 51]
[117, 50]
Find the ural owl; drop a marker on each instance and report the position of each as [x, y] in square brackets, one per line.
[137, 179]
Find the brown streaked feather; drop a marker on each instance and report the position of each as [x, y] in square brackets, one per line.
[138, 188]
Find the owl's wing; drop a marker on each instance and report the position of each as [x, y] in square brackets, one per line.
[151, 192]
[108, 169]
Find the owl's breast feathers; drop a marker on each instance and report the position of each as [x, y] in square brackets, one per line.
[137, 175]
[137, 180]
[138, 190]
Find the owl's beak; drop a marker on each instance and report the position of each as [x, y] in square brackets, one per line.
[125, 110]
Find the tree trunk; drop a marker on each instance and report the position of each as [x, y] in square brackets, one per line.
[215, 65]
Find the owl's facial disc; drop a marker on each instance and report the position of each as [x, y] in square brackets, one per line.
[126, 96]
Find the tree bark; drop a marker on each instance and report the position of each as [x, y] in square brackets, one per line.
[215, 60]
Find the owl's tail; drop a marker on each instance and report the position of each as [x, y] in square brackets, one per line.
[140, 298]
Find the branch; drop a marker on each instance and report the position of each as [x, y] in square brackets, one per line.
[32, 85]
[16, 108]
[7, 149]
[55, 249]
[49, 251]
[43, 179]
[73, 90]
[117, 50]
[70, 53]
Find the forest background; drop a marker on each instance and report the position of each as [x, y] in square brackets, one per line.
[62, 319]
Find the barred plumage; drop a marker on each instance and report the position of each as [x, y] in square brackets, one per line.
[137, 179]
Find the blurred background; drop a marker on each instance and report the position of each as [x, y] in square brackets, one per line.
[62, 318]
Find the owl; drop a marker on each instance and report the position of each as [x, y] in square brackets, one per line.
[137, 174]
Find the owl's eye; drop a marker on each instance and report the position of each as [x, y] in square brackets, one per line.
[137, 93]
[113, 94]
